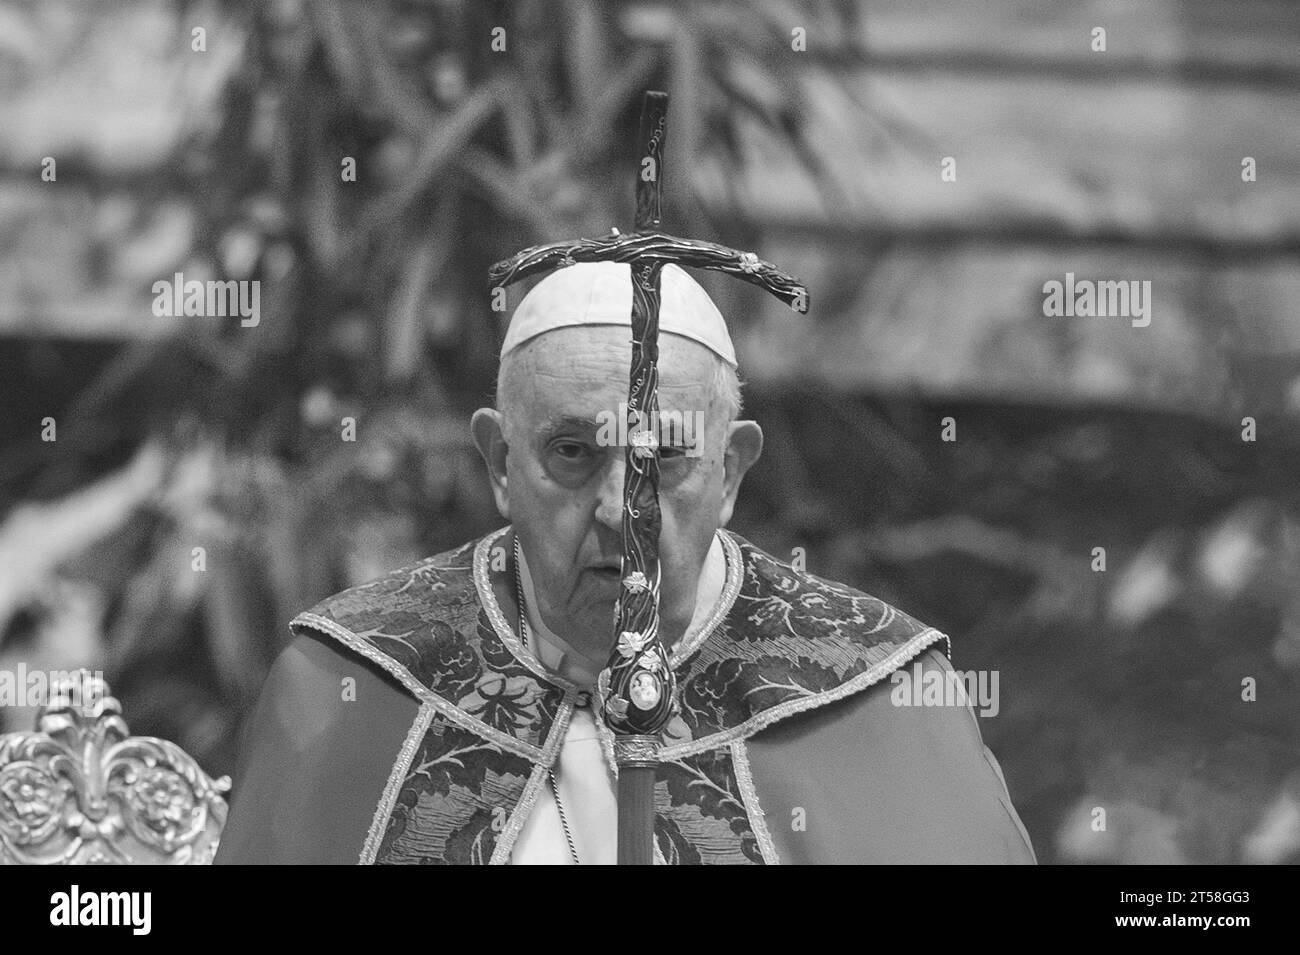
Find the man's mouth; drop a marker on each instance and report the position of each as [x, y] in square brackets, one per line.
[606, 571]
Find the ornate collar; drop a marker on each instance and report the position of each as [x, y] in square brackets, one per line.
[690, 642]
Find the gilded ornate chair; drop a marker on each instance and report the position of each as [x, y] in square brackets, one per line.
[81, 790]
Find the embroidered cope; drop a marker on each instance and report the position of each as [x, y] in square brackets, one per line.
[786, 746]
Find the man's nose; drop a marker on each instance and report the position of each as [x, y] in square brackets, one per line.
[609, 494]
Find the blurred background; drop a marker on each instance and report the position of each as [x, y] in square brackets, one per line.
[1120, 689]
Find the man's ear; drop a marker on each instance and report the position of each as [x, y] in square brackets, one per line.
[486, 427]
[744, 445]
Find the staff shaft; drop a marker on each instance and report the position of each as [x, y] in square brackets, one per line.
[636, 815]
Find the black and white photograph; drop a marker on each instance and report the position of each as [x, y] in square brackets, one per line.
[651, 432]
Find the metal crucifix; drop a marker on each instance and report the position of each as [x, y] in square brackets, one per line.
[637, 691]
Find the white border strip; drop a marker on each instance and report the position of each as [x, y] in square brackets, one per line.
[749, 798]
[418, 689]
[532, 789]
[760, 721]
[396, 776]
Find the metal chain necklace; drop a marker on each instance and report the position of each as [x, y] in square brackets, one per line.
[550, 773]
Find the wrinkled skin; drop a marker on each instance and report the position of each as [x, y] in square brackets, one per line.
[563, 491]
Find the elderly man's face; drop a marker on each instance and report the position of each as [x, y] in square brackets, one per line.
[562, 488]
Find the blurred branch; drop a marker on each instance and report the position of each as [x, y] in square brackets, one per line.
[36, 538]
[447, 140]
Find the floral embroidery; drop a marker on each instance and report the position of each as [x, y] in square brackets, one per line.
[450, 799]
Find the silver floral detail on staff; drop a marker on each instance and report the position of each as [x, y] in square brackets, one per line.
[631, 643]
[643, 443]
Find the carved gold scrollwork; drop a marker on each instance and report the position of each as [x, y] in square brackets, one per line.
[82, 790]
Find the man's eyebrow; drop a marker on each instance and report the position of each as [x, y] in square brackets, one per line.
[557, 423]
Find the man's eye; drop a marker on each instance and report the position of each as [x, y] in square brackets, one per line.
[569, 450]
